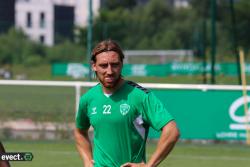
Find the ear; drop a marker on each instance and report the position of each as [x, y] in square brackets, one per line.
[93, 65]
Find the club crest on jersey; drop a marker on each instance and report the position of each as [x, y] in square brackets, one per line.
[124, 109]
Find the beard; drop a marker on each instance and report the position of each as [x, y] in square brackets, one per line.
[112, 84]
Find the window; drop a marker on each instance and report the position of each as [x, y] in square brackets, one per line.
[42, 39]
[29, 20]
[42, 20]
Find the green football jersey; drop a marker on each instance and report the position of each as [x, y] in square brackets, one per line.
[121, 122]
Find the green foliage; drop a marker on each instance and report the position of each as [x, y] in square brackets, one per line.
[202, 8]
[158, 25]
[153, 25]
[15, 48]
[122, 24]
[66, 52]
[243, 17]
[32, 60]
[113, 4]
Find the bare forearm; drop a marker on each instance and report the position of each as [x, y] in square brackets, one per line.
[84, 147]
[169, 137]
[84, 150]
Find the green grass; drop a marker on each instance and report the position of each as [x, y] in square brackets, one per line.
[215, 155]
[46, 153]
[63, 153]
[37, 103]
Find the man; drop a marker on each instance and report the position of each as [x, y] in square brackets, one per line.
[120, 113]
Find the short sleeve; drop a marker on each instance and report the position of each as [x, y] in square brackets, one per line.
[154, 112]
[81, 119]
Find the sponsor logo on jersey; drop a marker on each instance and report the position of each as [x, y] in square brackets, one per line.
[124, 109]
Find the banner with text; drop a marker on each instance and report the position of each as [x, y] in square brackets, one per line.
[78, 70]
[210, 114]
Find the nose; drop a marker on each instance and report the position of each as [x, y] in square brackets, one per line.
[109, 69]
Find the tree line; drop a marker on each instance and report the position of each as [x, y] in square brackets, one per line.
[153, 25]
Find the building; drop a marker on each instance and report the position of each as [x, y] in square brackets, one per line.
[7, 15]
[179, 3]
[48, 21]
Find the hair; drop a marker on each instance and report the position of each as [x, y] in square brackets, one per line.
[104, 46]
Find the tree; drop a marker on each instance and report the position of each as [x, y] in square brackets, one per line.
[157, 25]
[243, 24]
[16, 48]
[66, 52]
[114, 4]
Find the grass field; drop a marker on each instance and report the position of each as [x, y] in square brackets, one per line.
[63, 154]
[39, 103]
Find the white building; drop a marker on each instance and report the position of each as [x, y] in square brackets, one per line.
[37, 17]
[181, 3]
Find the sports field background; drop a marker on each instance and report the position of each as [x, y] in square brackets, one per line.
[56, 104]
[41, 105]
[63, 153]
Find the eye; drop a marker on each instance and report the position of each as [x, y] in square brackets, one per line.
[103, 65]
[115, 64]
